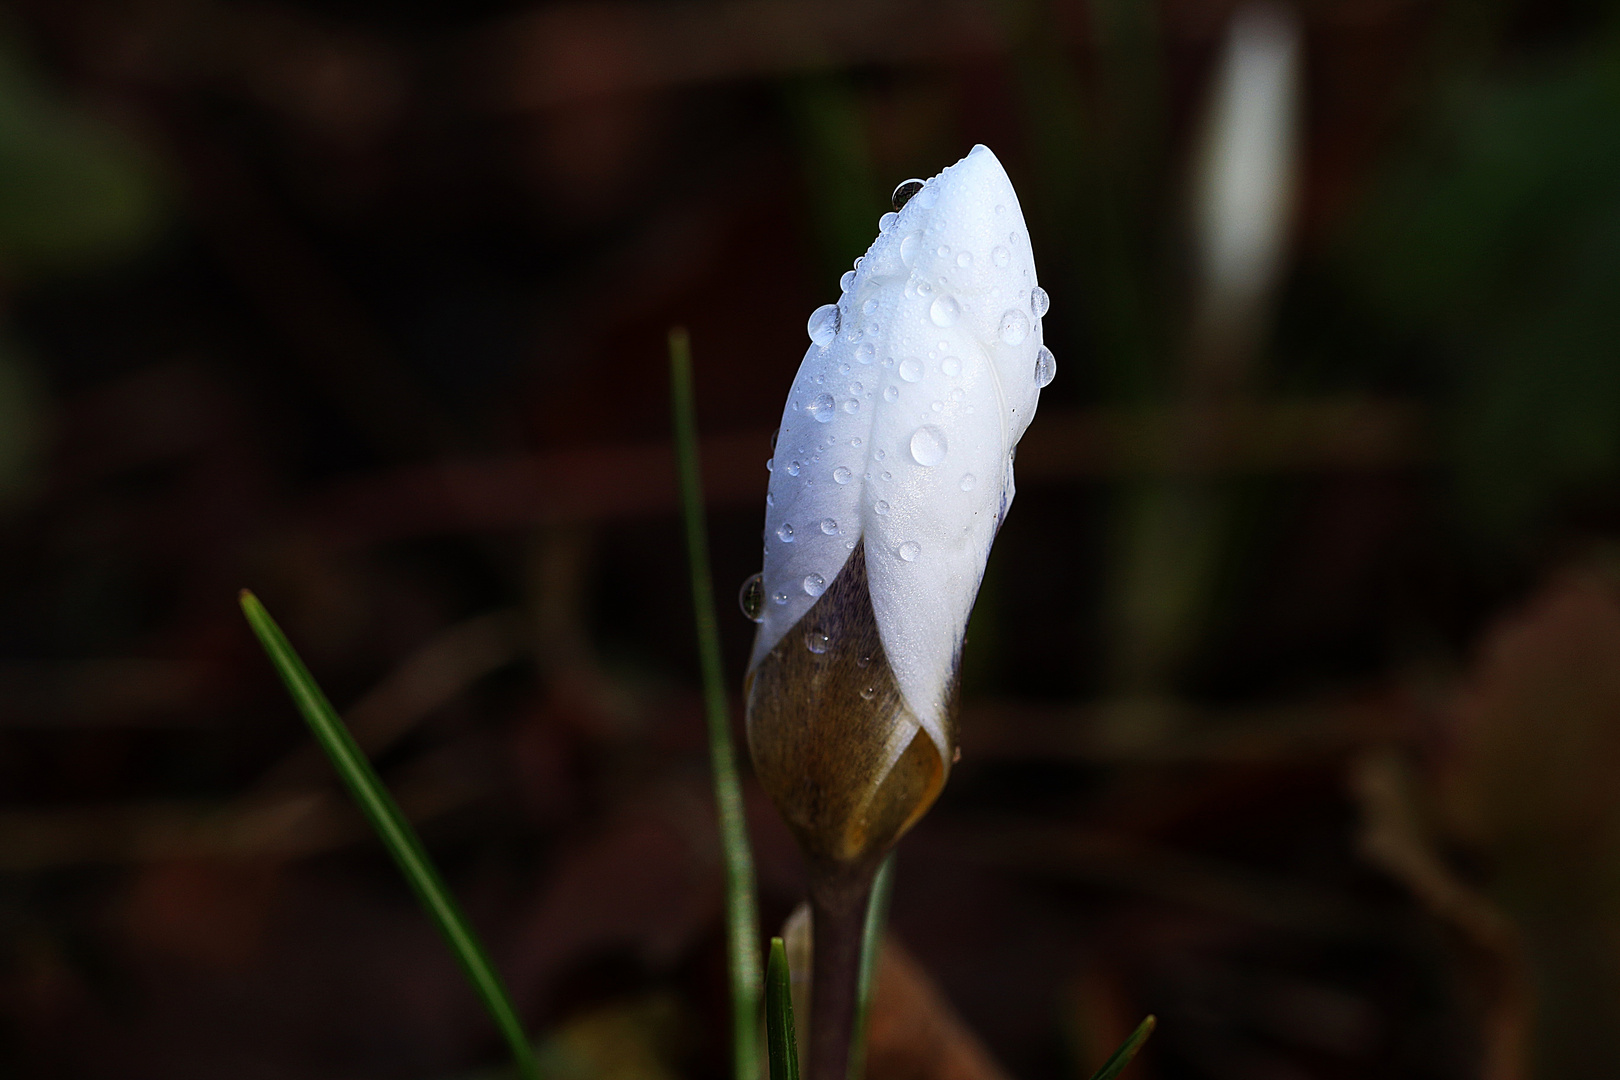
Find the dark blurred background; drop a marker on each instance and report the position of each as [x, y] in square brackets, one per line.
[1292, 697]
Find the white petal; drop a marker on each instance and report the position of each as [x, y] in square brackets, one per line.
[901, 430]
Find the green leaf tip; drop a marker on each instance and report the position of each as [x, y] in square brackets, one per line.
[1127, 1050]
[395, 830]
[781, 1041]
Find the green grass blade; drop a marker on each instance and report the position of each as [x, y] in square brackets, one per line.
[742, 914]
[784, 1049]
[1122, 1057]
[396, 832]
[877, 917]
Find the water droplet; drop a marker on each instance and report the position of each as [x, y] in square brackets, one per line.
[908, 249]
[1001, 208]
[847, 280]
[951, 366]
[964, 259]
[855, 441]
[814, 584]
[1000, 255]
[938, 406]
[887, 475]
[770, 500]
[785, 533]
[870, 307]
[910, 550]
[958, 394]
[780, 598]
[816, 640]
[821, 407]
[868, 693]
[770, 464]
[944, 311]
[849, 545]
[888, 361]
[886, 222]
[928, 445]
[823, 324]
[851, 405]
[1014, 327]
[842, 475]
[1045, 367]
[863, 661]
[774, 434]
[911, 369]
[879, 454]
[967, 482]
[891, 393]
[751, 598]
[1039, 302]
[793, 468]
[924, 289]
[829, 526]
[864, 353]
[856, 388]
[904, 192]
[880, 508]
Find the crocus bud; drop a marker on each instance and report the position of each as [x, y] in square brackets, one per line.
[893, 469]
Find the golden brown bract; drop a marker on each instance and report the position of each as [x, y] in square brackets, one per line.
[826, 720]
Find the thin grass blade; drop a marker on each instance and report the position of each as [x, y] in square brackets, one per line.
[877, 917]
[1122, 1057]
[779, 1033]
[742, 914]
[396, 832]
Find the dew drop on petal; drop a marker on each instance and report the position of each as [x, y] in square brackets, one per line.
[1045, 367]
[868, 693]
[951, 366]
[886, 222]
[887, 475]
[1039, 302]
[944, 310]
[911, 369]
[821, 407]
[847, 280]
[814, 584]
[823, 325]
[751, 598]
[910, 550]
[964, 259]
[908, 249]
[1000, 255]
[829, 526]
[870, 307]
[904, 192]
[793, 468]
[891, 393]
[842, 475]
[780, 598]
[880, 508]
[851, 406]
[785, 533]
[816, 640]
[1014, 327]
[864, 353]
[967, 482]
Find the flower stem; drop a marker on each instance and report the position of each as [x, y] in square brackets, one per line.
[838, 896]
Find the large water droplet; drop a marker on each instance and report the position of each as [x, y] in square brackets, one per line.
[1014, 327]
[785, 533]
[864, 353]
[814, 584]
[1045, 367]
[886, 222]
[817, 640]
[1039, 302]
[751, 598]
[928, 445]
[1000, 255]
[842, 475]
[944, 310]
[823, 324]
[908, 249]
[829, 526]
[891, 393]
[910, 550]
[821, 407]
[904, 191]
[911, 369]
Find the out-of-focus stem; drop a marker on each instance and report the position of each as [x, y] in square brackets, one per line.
[838, 897]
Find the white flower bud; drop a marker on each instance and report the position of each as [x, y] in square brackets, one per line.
[891, 473]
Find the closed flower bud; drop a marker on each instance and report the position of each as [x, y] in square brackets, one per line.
[892, 471]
